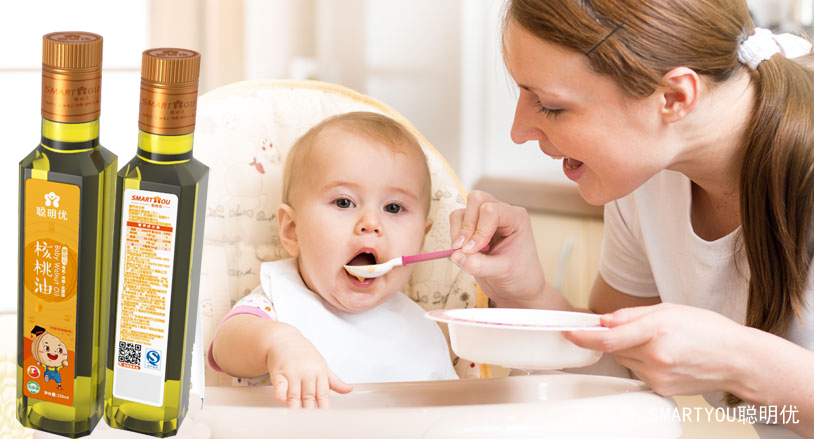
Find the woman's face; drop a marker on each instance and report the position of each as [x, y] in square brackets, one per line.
[610, 143]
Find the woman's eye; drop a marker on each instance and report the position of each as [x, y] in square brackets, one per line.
[545, 110]
[343, 203]
[393, 208]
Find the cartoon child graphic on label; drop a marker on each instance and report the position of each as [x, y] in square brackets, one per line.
[50, 352]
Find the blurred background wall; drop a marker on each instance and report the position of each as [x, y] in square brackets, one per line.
[437, 62]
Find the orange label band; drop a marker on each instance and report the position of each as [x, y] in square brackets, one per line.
[50, 277]
[71, 98]
[167, 110]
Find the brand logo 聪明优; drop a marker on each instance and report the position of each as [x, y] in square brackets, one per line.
[52, 198]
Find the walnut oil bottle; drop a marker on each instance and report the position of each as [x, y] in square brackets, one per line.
[158, 237]
[66, 202]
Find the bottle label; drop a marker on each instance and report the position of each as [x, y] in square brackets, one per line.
[144, 295]
[49, 262]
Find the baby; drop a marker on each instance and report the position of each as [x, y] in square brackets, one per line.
[356, 191]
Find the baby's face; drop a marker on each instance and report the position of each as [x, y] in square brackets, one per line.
[357, 201]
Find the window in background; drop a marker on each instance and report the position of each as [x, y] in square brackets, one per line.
[439, 64]
[125, 28]
[405, 53]
[488, 102]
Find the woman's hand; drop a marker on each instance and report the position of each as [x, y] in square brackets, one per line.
[510, 273]
[675, 349]
[299, 374]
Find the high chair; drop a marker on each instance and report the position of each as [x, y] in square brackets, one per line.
[243, 133]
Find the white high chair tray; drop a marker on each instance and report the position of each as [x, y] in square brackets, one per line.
[552, 405]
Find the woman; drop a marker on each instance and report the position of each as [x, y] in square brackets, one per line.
[699, 139]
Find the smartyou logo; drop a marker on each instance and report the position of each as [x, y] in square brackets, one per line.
[71, 37]
[156, 199]
[147, 102]
[79, 91]
[51, 198]
[170, 53]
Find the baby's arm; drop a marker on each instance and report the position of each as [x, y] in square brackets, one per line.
[250, 345]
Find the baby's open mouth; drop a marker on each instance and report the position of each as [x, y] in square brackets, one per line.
[363, 258]
[52, 356]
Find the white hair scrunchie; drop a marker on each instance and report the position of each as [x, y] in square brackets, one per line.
[763, 44]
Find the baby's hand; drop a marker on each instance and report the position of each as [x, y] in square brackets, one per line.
[299, 374]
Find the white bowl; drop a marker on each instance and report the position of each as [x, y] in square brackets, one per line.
[518, 338]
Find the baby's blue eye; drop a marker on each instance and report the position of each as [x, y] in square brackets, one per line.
[393, 208]
[343, 203]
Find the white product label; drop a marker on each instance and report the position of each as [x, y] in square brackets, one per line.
[145, 281]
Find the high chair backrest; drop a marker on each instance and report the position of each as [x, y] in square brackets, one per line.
[243, 133]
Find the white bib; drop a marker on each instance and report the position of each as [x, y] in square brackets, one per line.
[392, 342]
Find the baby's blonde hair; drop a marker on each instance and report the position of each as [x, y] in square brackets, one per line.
[374, 126]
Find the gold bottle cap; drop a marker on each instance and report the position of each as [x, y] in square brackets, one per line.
[71, 77]
[72, 50]
[169, 91]
[170, 65]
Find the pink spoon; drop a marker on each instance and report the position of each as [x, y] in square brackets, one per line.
[370, 271]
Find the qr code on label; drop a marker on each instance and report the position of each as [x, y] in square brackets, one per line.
[130, 353]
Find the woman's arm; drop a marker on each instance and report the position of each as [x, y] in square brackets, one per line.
[511, 274]
[775, 372]
[683, 350]
[607, 299]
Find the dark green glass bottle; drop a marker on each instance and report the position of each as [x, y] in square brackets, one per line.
[66, 202]
[157, 243]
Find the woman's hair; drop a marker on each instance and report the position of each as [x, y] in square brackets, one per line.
[373, 126]
[636, 42]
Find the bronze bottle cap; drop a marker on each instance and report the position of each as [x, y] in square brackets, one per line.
[71, 76]
[169, 91]
[72, 50]
[170, 66]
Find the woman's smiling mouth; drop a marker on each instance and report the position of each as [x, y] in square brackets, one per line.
[571, 164]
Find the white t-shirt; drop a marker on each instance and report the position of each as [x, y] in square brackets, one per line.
[391, 342]
[649, 249]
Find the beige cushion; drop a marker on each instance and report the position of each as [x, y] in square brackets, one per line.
[243, 133]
